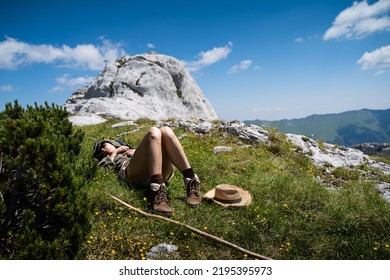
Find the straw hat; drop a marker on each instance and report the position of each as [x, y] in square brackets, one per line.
[229, 196]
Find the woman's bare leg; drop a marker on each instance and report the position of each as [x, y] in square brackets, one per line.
[148, 157]
[167, 166]
[154, 158]
[156, 153]
[149, 161]
[177, 156]
[174, 150]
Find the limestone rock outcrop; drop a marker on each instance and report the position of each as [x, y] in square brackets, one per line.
[150, 85]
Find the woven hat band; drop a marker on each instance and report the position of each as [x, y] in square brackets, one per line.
[229, 201]
[227, 194]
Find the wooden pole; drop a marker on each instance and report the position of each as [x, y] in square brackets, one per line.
[249, 253]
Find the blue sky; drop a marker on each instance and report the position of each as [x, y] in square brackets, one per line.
[262, 59]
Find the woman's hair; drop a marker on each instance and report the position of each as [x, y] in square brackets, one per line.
[97, 147]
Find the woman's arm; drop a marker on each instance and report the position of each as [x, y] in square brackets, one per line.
[124, 150]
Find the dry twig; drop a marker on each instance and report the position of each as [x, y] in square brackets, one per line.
[249, 253]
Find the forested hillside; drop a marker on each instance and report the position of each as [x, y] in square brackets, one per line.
[347, 129]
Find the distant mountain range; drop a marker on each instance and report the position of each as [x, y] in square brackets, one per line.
[347, 128]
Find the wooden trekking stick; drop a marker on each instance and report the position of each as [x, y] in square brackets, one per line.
[249, 253]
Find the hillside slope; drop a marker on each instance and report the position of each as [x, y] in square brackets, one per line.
[300, 209]
[347, 128]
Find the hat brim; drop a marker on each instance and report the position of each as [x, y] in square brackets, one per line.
[246, 197]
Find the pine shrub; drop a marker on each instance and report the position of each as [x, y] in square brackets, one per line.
[43, 209]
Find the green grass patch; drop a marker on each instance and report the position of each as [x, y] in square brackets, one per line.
[293, 215]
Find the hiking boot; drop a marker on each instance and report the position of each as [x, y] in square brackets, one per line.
[158, 196]
[193, 190]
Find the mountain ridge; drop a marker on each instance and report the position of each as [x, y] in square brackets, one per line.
[346, 128]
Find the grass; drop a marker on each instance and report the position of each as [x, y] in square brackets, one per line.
[293, 215]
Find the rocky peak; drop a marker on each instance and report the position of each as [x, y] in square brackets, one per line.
[148, 85]
[381, 149]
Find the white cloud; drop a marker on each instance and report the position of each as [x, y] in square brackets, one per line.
[380, 72]
[209, 57]
[242, 66]
[15, 54]
[360, 20]
[110, 51]
[65, 81]
[299, 40]
[57, 88]
[151, 46]
[259, 109]
[6, 88]
[378, 58]
[80, 81]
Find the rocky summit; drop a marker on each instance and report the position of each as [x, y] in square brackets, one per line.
[150, 85]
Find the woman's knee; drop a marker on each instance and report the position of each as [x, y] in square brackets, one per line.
[167, 132]
[154, 133]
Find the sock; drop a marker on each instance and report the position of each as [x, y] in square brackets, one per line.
[188, 173]
[157, 178]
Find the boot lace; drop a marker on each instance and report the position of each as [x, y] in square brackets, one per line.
[161, 195]
[193, 187]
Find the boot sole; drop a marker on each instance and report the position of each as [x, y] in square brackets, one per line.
[167, 214]
[193, 205]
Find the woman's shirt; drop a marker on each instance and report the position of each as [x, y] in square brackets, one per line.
[116, 163]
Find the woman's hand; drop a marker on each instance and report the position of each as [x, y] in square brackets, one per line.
[109, 149]
[125, 150]
[122, 149]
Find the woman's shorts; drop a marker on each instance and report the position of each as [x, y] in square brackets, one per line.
[138, 182]
[122, 171]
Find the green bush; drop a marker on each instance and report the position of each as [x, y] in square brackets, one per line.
[43, 209]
